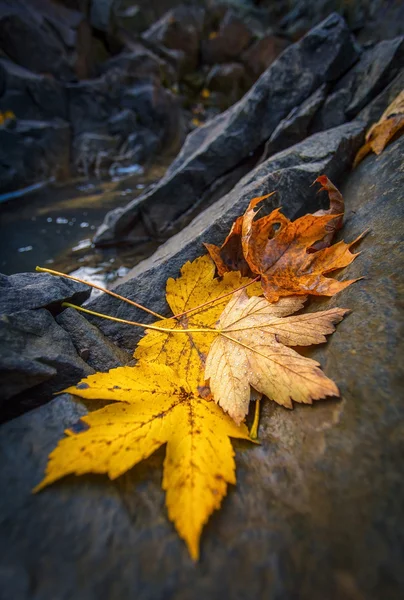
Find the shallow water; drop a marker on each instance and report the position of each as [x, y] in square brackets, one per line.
[53, 227]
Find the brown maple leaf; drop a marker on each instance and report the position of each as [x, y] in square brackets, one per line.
[286, 261]
[229, 256]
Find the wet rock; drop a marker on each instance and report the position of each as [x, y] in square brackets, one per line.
[27, 291]
[91, 345]
[91, 103]
[95, 152]
[262, 54]
[122, 123]
[95, 102]
[318, 506]
[296, 126]
[233, 136]
[56, 40]
[35, 353]
[158, 110]
[140, 146]
[232, 38]
[30, 96]
[291, 173]
[228, 81]
[376, 68]
[32, 151]
[179, 29]
[141, 63]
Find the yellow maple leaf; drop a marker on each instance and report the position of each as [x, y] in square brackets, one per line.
[159, 401]
[153, 406]
[197, 285]
[253, 350]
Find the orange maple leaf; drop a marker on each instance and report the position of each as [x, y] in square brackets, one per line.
[291, 257]
[381, 133]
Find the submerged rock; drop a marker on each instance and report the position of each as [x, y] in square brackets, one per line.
[318, 505]
[223, 143]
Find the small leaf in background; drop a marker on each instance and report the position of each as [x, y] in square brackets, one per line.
[381, 133]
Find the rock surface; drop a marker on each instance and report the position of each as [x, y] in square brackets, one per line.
[35, 353]
[218, 147]
[318, 506]
[27, 291]
[376, 68]
[91, 345]
[291, 173]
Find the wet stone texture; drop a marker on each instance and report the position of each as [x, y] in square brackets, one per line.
[318, 510]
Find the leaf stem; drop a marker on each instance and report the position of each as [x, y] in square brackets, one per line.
[136, 324]
[98, 287]
[255, 425]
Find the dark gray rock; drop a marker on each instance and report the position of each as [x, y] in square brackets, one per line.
[91, 345]
[291, 173]
[225, 141]
[233, 37]
[318, 506]
[262, 53]
[179, 29]
[26, 291]
[228, 82]
[296, 126]
[32, 151]
[156, 109]
[142, 63]
[372, 113]
[377, 67]
[31, 96]
[122, 123]
[95, 152]
[94, 103]
[35, 353]
[56, 40]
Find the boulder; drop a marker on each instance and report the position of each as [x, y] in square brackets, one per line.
[223, 143]
[290, 173]
[29, 291]
[37, 355]
[376, 68]
[228, 81]
[91, 345]
[296, 125]
[262, 54]
[318, 505]
[95, 104]
[31, 96]
[141, 63]
[57, 40]
[179, 29]
[228, 43]
[95, 153]
[32, 151]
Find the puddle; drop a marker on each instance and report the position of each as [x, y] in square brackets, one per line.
[53, 226]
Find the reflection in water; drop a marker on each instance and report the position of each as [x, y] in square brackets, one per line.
[54, 226]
